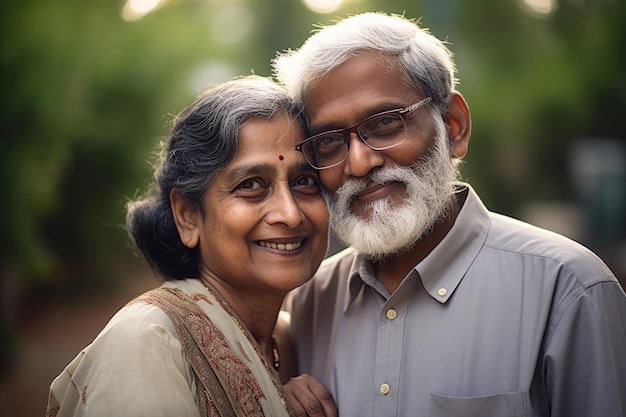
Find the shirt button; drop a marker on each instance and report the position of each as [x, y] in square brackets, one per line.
[442, 292]
[391, 314]
[384, 389]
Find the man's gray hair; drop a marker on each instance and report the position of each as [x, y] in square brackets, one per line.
[423, 60]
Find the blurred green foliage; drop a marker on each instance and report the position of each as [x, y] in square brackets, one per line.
[86, 95]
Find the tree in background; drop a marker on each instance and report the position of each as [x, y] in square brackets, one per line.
[86, 95]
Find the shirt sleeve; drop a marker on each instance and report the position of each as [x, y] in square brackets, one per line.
[135, 367]
[585, 360]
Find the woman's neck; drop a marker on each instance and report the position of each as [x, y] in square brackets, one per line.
[257, 312]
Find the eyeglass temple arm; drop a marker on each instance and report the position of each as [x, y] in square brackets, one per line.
[416, 105]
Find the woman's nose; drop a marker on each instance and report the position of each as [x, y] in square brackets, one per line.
[285, 209]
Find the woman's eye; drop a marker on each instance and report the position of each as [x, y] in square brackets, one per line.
[250, 185]
[306, 181]
[247, 184]
[307, 184]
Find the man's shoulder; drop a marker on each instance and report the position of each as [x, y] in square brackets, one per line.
[533, 243]
[508, 233]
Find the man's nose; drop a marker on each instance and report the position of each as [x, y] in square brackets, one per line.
[361, 159]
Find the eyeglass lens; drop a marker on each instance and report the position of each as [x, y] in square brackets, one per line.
[379, 132]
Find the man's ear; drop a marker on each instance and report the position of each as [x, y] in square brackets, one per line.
[187, 219]
[459, 122]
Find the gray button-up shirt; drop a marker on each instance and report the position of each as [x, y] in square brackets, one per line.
[501, 319]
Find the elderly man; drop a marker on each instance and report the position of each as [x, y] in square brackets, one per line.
[439, 307]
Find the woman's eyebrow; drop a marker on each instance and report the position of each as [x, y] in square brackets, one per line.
[248, 170]
[251, 170]
[304, 166]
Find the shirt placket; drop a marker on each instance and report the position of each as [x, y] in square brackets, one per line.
[388, 358]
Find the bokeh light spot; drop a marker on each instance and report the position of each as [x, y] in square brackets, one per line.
[136, 9]
[323, 6]
[539, 8]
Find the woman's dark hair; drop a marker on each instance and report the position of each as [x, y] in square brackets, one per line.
[203, 141]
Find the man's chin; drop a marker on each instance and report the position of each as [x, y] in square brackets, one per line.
[379, 238]
[387, 256]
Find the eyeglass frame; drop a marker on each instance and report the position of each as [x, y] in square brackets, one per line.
[345, 133]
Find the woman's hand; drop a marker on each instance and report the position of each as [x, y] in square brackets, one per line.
[309, 397]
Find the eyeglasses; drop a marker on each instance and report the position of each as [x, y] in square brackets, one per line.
[380, 131]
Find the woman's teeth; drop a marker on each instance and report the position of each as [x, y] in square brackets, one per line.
[281, 246]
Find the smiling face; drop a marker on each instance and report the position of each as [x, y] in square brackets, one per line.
[362, 86]
[383, 202]
[265, 223]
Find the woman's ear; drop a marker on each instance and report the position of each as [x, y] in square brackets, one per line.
[459, 122]
[187, 220]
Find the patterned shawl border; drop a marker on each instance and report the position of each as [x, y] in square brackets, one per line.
[230, 388]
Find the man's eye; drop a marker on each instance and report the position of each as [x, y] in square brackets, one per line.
[384, 124]
[329, 144]
[328, 140]
[387, 120]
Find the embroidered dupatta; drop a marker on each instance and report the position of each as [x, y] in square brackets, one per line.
[225, 383]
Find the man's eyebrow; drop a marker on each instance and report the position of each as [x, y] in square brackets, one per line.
[383, 107]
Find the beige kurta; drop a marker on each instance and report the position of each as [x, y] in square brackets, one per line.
[137, 365]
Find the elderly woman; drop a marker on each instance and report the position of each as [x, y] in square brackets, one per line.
[236, 220]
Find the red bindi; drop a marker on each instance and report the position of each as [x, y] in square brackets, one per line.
[281, 157]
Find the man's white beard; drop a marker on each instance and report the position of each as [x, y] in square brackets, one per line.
[395, 230]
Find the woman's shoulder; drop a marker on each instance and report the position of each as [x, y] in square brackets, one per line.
[136, 354]
[137, 317]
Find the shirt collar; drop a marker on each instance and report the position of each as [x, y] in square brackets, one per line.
[444, 267]
[361, 273]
